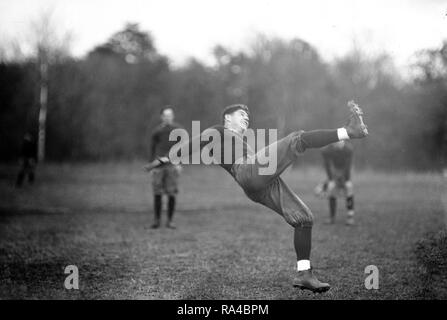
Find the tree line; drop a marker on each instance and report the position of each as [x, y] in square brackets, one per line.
[104, 106]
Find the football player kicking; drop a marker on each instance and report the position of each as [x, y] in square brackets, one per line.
[270, 190]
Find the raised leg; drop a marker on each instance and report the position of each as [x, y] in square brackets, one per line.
[287, 149]
[281, 154]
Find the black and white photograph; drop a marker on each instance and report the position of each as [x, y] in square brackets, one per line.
[203, 151]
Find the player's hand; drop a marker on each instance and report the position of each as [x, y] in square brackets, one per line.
[163, 160]
[148, 167]
[157, 162]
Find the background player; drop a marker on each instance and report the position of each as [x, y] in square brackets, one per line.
[270, 190]
[27, 161]
[337, 159]
[165, 177]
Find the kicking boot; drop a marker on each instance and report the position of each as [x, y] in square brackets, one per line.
[356, 128]
[306, 280]
[155, 225]
[170, 225]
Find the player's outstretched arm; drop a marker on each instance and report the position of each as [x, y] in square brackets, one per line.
[155, 163]
[182, 152]
[190, 148]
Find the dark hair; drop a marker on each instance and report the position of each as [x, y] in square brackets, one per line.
[233, 108]
[165, 108]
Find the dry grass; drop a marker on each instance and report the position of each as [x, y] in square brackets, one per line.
[226, 247]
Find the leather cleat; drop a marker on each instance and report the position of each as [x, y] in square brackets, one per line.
[356, 128]
[170, 225]
[155, 225]
[306, 280]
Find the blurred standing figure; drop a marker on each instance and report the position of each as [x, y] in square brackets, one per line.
[165, 177]
[338, 162]
[27, 160]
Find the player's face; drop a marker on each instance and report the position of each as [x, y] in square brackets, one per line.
[239, 120]
[167, 116]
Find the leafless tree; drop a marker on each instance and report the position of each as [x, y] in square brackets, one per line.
[50, 46]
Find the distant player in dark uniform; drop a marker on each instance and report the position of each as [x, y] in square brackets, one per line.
[269, 189]
[27, 161]
[164, 177]
[337, 159]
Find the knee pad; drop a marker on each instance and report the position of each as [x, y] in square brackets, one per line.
[349, 188]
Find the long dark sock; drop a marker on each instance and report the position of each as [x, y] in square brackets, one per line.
[20, 178]
[332, 207]
[171, 207]
[350, 203]
[31, 177]
[303, 242]
[319, 138]
[157, 207]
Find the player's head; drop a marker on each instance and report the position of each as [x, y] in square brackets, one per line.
[236, 117]
[167, 115]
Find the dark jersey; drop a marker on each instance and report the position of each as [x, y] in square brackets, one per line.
[232, 146]
[28, 150]
[160, 144]
[338, 161]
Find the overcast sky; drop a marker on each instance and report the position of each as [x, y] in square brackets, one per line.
[184, 28]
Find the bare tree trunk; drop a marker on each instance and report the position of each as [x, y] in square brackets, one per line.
[43, 61]
[282, 113]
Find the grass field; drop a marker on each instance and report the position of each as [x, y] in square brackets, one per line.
[97, 217]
